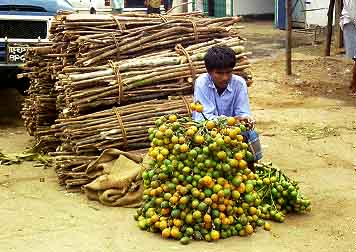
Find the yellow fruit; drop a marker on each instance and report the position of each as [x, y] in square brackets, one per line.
[252, 210]
[173, 200]
[162, 128]
[154, 219]
[160, 157]
[249, 229]
[164, 152]
[215, 235]
[199, 108]
[242, 164]
[221, 155]
[231, 121]
[175, 233]
[177, 222]
[198, 139]
[163, 224]
[181, 140]
[157, 225]
[172, 118]
[210, 125]
[267, 226]
[194, 128]
[174, 139]
[239, 138]
[193, 106]
[227, 139]
[190, 132]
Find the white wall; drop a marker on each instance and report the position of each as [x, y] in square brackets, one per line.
[252, 7]
[317, 17]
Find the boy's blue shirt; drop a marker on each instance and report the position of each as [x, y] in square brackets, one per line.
[233, 101]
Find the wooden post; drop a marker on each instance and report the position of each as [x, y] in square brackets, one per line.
[288, 6]
[329, 31]
[338, 31]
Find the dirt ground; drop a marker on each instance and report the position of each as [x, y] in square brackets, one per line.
[307, 125]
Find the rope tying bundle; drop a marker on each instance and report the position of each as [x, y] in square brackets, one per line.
[123, 130]
[116, 69]
[181, 51]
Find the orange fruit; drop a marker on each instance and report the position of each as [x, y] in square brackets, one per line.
[166, 233]
[193, 106]
[241, 188]
[238, 156]
[207, 180]
[207, 218]
[184, 148]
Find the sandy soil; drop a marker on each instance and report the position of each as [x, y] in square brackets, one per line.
[308, 128]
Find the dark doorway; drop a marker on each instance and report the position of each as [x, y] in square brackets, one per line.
[134, 4]
[211, 5]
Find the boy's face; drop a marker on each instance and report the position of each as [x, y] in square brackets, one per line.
[221, 77]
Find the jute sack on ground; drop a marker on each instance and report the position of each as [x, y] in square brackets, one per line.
[120, 183]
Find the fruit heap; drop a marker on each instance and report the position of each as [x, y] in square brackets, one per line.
[280, 195]
[199, 184]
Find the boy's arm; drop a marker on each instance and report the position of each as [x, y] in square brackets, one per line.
[242, 104]
[201, 96]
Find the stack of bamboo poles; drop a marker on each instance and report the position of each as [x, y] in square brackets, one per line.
[148, 77]
[122, 127]
[39, 111]
[93, 40]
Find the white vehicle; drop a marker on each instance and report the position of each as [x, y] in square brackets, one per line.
[102, 6]
[92, 6]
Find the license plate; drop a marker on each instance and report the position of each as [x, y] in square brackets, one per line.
[16, 54]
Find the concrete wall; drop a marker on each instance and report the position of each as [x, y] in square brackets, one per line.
[318, 14]
[253, 7]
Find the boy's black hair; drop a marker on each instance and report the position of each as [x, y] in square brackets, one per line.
[219, 57]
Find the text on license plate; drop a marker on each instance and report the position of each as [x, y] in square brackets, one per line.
[16, 54]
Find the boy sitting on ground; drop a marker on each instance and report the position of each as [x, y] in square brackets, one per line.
[225, 94]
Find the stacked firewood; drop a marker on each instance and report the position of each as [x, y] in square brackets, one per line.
[39, 111]
[105, 79]
[124, 128]
[138, 79]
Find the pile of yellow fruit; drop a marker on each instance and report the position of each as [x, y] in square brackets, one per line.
[201, 183]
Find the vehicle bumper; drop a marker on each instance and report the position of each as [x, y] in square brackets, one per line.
[9, 70]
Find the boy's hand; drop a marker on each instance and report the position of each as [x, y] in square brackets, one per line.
[247, 120]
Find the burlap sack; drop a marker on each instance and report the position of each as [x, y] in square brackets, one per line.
[105, 162]
[120, 184]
